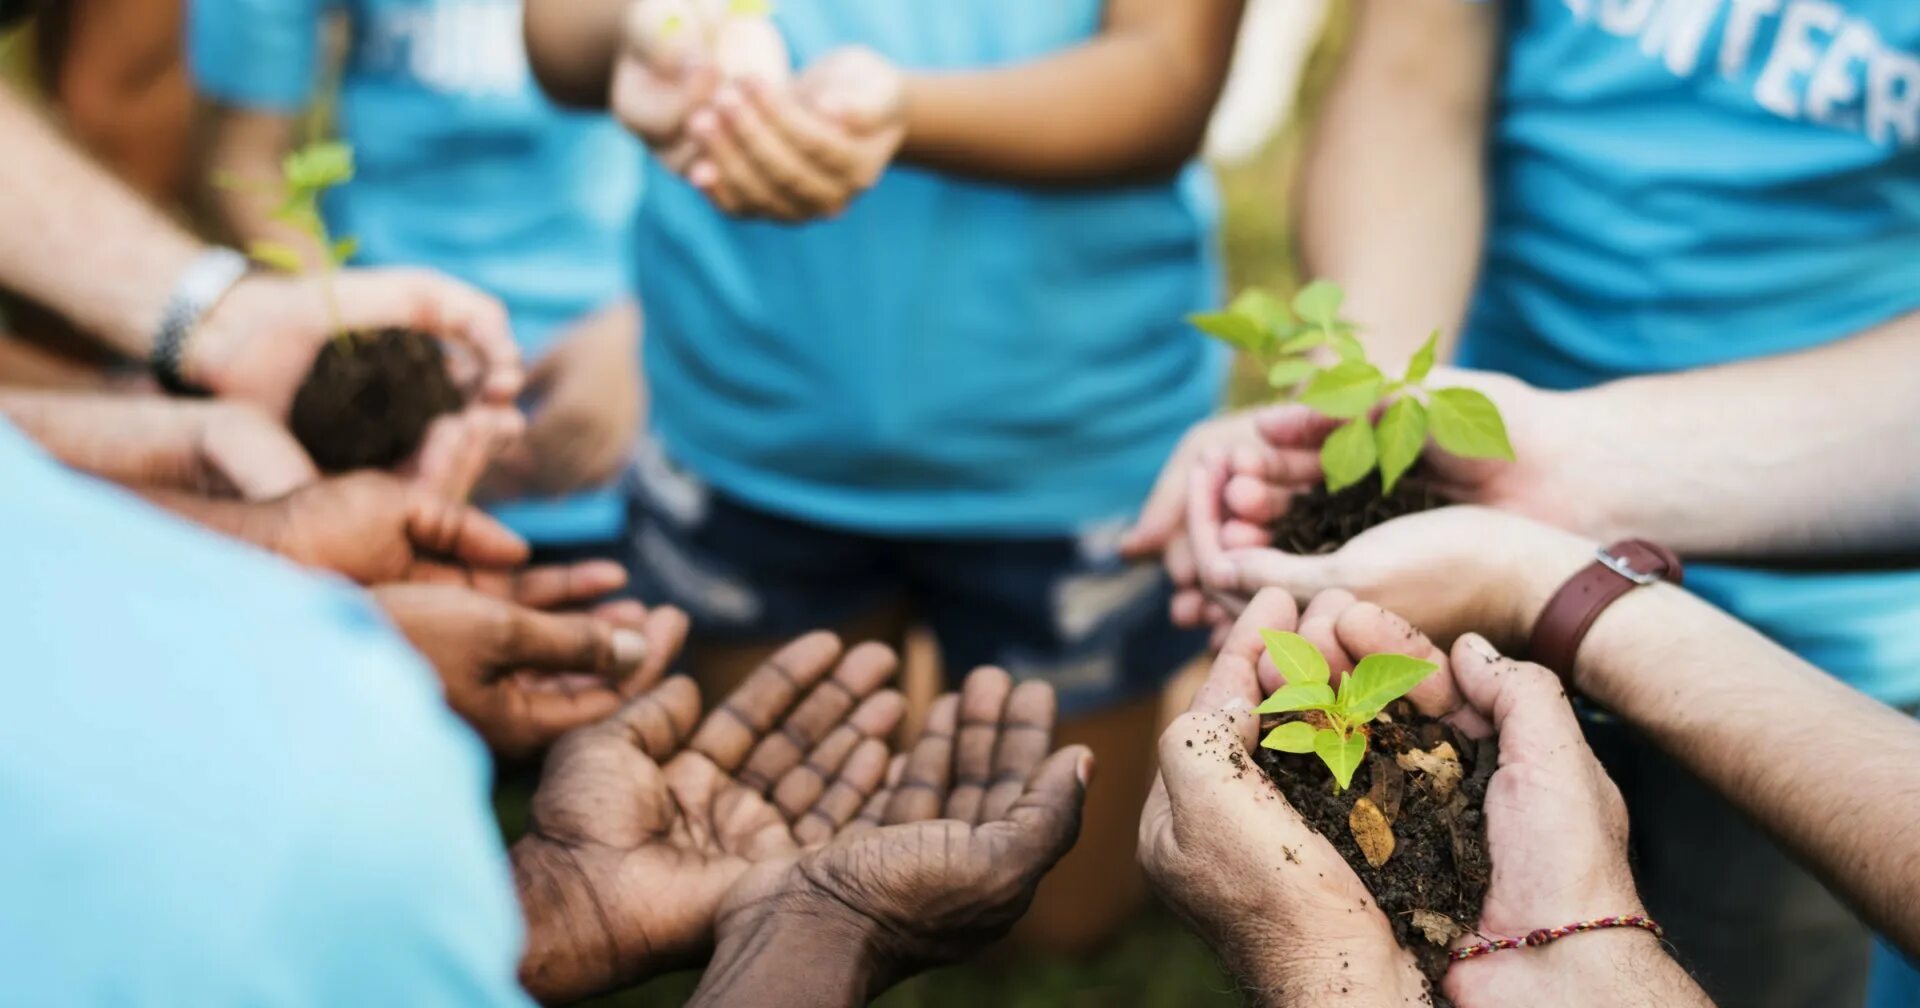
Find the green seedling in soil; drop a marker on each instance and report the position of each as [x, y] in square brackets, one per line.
[1285, 339]
[306, 175]
[1339, 734]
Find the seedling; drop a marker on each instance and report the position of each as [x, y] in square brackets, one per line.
[1341, 743]
[307, 173]
[1284, 339]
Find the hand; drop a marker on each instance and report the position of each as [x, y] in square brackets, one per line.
[661, 75]
[638, 833]
[376, 528]
[1556, 826]
[521, 677]
[800, 153]
[239, 451]
[1224, 848]
[588, 411]
[942, 861]
[260, 341]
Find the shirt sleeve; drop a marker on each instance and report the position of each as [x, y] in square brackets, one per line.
[258, 54]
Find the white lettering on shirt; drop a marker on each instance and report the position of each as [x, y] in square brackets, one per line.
[1833, 92]
[1793, 55]
[454, 47]
[1743, 23]
[1679, 32]
[1625, 17]
[1893, 99]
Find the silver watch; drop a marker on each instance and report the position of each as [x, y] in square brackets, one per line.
[201, 286]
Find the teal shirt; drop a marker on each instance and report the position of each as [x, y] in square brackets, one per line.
[1680, 185]
[225, 781]
[464, 166]
[949, 357]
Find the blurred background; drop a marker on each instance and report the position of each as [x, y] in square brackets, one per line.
[112, 72]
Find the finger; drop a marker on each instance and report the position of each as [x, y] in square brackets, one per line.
[1255, 501]
[1047, 816]
[665, 34]
[665, 630]
[1204, 515]
[1242, 671]
[1026, 737]
[571, 643]
[541, 716]
[800, 787]
[458, 532]
[1294, 427]
[1366, 629]
[735, 727]
[1523, 702]
[801, 180]
[1239, 535]
[1247, 571]
[874, 812]
[659, 720]
[921, 792]
[737, 170]
[824, 708]
[1179, 562]
[860, 778]
[1288, 468]
[559, 585]
[441, 307]
[1188, 609]
[1165, 511]
[256, 454]
[983, 708]
[1317, 623]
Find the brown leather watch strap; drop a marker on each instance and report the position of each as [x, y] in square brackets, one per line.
[1615, 571]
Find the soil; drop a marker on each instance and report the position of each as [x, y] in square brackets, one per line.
[369, 398]
[1438, 864]
[1318, 522]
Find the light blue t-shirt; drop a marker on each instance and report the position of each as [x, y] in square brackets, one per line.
[224, 781]
[1683, 184]
[464, 166]
[950, 357]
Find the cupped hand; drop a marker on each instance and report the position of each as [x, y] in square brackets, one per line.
[662, 74]
[945, 858]
[259, 342]
[642, 823]
[801, 152]
[1224, 848]
[522, 677]
[586, 414]
[377, 528]
[236, 450]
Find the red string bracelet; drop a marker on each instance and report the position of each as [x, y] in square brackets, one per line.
[1545, 935]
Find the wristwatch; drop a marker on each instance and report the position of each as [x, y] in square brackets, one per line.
[201, 286]
[1615, 571]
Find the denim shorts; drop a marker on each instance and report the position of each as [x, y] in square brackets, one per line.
[1063, 609]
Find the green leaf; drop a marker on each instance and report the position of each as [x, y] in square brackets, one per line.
[1295, 340]
[1400, 437]
[1262, 309]
[1348, 455]
[345, 249]
[1319, 302]
[1293, 737]
[1468, 424]
[1290, 372]
[1341, 755]
[1232, 328]
[1379, 680]
[278, 255]
[1422, 363]
[1296, 658]
[750, 8]
[1345, 391]
[1297, 697]
[1348, 348]
[319, 166]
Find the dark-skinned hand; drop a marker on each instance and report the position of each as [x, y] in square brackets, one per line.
[643, 822]
[376, 528]
[521, 677]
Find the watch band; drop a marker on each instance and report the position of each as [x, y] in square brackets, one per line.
[205, 281]
[1615, 571]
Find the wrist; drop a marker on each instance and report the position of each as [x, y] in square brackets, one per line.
[1598, 969]
[568, 954]
[1528, 570]
[1326, 968]
[794, 951]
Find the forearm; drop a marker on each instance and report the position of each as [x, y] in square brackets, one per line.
[1832, 774]
[132, 440]
[571, 46]
[1610, 968]
[1803, 454]
[788, 959]
[1131, 104]
[242, 169]
[1320, 972]
[1392, 194]
[78, 242]
[242, 520]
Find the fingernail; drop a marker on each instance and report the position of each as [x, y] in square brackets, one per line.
[1084, 770]
[629, 648]
[1480, 646]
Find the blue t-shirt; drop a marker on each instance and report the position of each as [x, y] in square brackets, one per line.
[1678, 185]
[224, 781]
[464, 166]
[949, 357]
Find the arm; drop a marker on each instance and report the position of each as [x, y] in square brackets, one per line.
[1132, 103]
[571, 46]
[1392, 191]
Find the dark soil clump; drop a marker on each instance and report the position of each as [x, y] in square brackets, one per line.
[1319, 522]
[1435, 877]
[369, 398]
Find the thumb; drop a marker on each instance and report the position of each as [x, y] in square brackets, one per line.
[1161, 516]
[573, 643]
[462, 533]
[1525, 703]
[1047, 814]
[1249, 571]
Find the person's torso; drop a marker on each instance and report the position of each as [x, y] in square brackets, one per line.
[948, 357]
[226, 781]
[1682, 183]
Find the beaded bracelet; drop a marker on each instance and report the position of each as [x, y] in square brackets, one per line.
[1545, 935]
